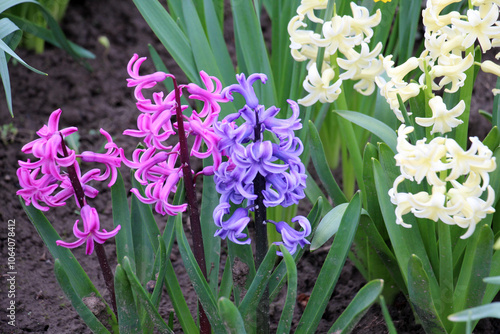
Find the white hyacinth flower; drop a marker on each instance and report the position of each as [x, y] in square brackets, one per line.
[320, 87]
[442, 120]
[479, 28]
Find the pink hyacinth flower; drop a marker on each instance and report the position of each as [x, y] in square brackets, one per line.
[48, 148]
[111, 159]
[90, 233]
[141, 82]
[37, 190]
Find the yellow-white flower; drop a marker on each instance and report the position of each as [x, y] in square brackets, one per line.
[473, 208]
[300, 40]
[433, 21]
[398, 73]
[337, 35]
[452, 69]
[319, 87]
[356, 62]
[442, 120]
[479, 28]
[366, 84]
[433, 206]
[307, 7]
[477, 159]
[490, 67]
[420, 160]
[390, 91]
[362, 22]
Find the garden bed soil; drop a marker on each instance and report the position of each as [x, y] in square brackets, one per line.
[98, 99]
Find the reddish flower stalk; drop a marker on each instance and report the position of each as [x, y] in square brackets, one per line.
[99, 248]
[194, 213]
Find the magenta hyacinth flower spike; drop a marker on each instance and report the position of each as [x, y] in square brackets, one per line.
[47, 148]
[90, 233]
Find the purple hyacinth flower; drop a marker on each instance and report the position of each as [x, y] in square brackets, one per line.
[244, 87]
[256, 158]
[90, 233]
[234, 226]
[291, 237]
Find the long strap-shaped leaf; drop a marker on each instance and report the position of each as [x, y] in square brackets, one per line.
[331, 269]
[143, 299]
[258, 286]
[171, 36]
[88, 317]
[419, 290]
[121, 216]
[231, 316]
[129, 319]
[250, 41]
[363, 300]
[291, 293]
[200, 285]
[76, 275]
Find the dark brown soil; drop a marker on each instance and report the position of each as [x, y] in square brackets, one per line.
[100, 99]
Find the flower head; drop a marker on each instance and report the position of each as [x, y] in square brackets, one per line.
[90, 233]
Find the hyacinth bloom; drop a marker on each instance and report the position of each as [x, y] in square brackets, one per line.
[56, 177]
[157, 165]
[291, 237]
[90, 233]
[442, 120]
[250, 157]
[48, 149]
[449, 201]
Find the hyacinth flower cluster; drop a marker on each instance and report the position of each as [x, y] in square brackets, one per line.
[449, 40]
[258, 168]
[55, 176]
[344, 40]
[158, 165]
[443, 163]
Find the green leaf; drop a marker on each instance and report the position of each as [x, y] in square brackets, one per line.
[211, 244]
[231, 316]
[363, 300]
[373, 125]
[200, 285]
[291, 295]
[249, 38]
[419, 290]
[121, 216]
[405, 241]
[476, 313]
[125, 303]
[387, 316]
[143, 299]
[83, 311]
[77, 276]
[331, 269]
[171, 36]
[278, 278]
[179, 303]
[259, 283]
[328, 226]
[322, 168]
[476, 266]
[143, 248]
[492, 140]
